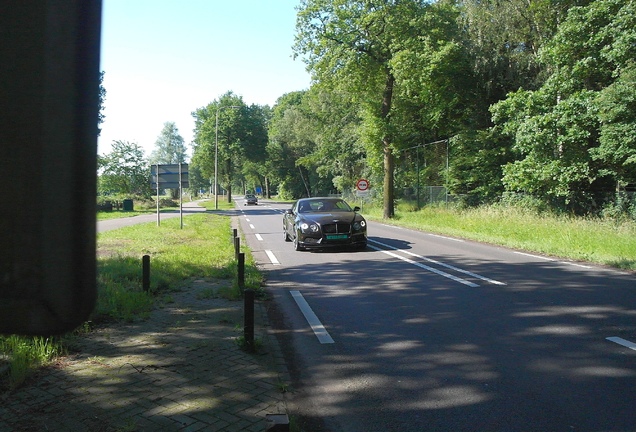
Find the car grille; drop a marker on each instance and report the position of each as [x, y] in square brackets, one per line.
[336, 228]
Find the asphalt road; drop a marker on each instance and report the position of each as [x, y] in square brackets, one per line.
[427, 333]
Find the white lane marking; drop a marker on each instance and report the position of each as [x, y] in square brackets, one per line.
[425, 267]
[246, 218]
[552, 260]
[534, 256]
[319, 330]
[621, 341]
[252, 226]
[258, 237]
[439, 263]
[272, 257]
[447, 238]
[576, 265]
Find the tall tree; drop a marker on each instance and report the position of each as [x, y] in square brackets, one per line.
[169, 146]
[240, 132]
[124, 170]
[102, 99]
[558, 127]
[367, 47]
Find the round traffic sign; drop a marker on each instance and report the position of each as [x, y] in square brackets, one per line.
[362, 184]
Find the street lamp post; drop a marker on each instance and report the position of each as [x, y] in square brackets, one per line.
[216, 156]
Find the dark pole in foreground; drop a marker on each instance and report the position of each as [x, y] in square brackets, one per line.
[145, 273]
[248, 329]
[241, 271]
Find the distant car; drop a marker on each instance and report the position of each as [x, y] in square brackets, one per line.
[250, 199]
[314, 223]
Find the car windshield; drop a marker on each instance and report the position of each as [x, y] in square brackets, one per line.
[323, 205]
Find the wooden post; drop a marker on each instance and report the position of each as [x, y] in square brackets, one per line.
[146, 273]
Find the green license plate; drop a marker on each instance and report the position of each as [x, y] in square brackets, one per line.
[337, 237]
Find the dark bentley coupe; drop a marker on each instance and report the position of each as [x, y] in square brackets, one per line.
[324, 222]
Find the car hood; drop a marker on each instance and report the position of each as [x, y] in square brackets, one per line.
[328, 217]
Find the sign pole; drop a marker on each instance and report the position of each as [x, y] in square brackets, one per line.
[158, 217]
[180, 196]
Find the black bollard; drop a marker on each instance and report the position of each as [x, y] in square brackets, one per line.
[145, 261]
[237, 247]
[248, 328]
[241, 271]
[234, 233]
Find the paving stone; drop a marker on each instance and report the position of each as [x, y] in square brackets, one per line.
[179, 370]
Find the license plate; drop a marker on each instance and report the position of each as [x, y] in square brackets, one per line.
[337, 237]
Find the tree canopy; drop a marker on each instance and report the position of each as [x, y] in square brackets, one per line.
[526, 98]
[169, 146]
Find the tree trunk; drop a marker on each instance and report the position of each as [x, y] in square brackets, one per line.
[389, 165]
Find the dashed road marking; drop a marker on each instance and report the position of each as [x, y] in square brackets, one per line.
[258, 237]
[319, 330]
[272, 257]
[623, 342]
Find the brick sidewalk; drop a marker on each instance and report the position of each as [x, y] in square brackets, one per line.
[181, 370]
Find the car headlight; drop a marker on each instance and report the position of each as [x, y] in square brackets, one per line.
[359, 225]
[305, 227]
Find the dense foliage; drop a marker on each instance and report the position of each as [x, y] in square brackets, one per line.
[523, 100]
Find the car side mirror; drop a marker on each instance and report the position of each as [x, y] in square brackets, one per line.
[289, 211]
[356, 208]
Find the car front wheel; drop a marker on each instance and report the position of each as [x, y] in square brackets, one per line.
[297, 246]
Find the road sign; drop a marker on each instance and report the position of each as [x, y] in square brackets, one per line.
[362, 185]
[169, 176]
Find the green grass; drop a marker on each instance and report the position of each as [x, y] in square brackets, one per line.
[203, 249]
[117, 214]
[222, 202]
[24, 355]
[602, 241]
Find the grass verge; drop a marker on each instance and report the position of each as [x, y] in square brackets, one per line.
[202, 249]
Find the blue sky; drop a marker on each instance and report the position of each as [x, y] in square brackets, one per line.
[164, 59]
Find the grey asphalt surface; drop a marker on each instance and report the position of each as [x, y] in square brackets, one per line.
[180, 370]
[433, 333]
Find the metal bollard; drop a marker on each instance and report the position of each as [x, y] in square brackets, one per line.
[145, 273]
[237, 247]
[248, 321]
[234, 233]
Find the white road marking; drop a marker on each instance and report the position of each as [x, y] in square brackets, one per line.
[534, 256]
[252, 226]
[439, 263]
[552, 260]
[425, 267]
[576, 265]
[272, 257]
[447, 238]
[623, 342]
[258, 237]
[246, 218]
[319, 330]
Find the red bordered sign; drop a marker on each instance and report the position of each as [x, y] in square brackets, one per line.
[362, 185]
